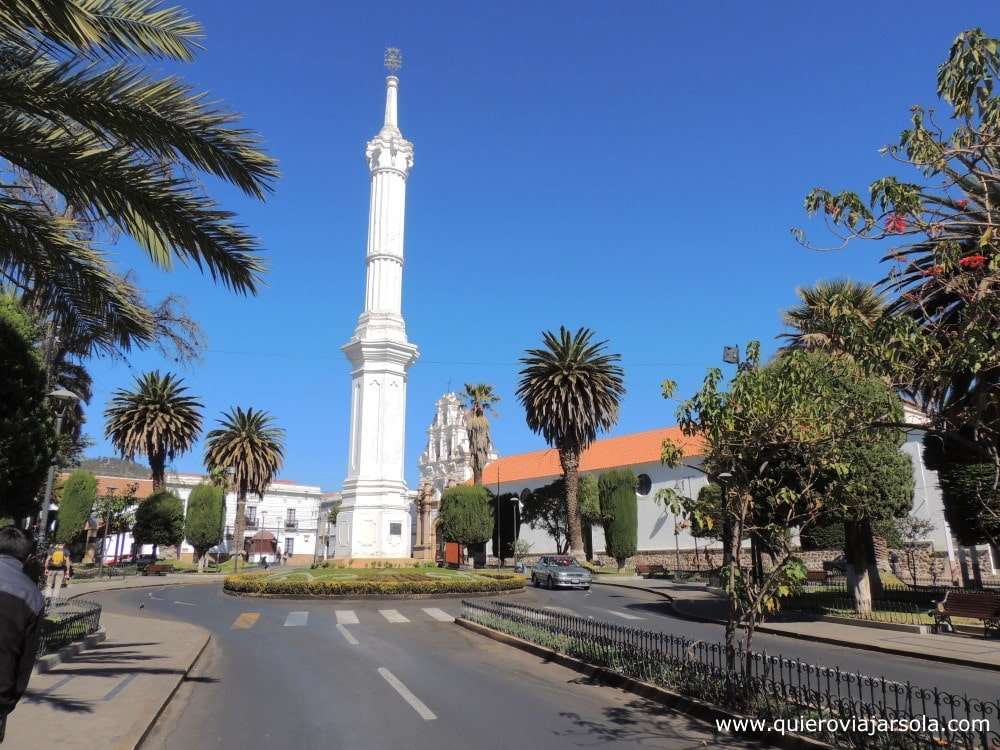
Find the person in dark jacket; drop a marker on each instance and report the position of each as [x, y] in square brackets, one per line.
[21, 605]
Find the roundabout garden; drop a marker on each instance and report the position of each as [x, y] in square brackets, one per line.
[360, 583]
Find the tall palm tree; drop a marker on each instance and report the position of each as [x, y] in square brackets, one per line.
[157, 420]
[479, 400]
[116, 147]
[815, 320]
[571, 390]
[251, 445]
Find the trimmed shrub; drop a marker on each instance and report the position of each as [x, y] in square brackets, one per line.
[262, 583]
[823, 536]
[159, 520]
[203, 523]
[465, 516]
[79, 492]
[620, 512]
[970, 503]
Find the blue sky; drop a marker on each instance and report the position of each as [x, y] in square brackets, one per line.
[633, 167]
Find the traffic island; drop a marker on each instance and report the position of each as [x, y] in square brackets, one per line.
[353, 583]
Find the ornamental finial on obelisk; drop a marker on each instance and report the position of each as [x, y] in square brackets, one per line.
[393, 60]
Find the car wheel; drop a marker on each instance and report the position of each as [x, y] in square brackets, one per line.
[549, 584]
[534, 581]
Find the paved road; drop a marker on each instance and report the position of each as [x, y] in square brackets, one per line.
[378, 675]
[652, 611]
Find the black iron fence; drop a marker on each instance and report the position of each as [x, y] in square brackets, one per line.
[64, 622]
[852, 710]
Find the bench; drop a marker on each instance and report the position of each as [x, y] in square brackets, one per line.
[817, 576]
[976, 606]
[158, 570]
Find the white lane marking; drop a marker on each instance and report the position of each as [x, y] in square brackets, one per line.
[439, 614]
[623, 615]
[347, 634]
[158, 598]
[296, 619]
[415, 703]
[392, 615]
[186, 604]
[346, 617]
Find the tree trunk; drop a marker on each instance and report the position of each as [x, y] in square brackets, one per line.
[729, 570]
[239, 527]
[477, 474]
[856, 554]
[570, 460]
[874, 575]
[157, 468]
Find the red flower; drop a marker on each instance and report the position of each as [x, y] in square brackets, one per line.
[895, 224]
[933, 271]
[961, 203]
[973, 261]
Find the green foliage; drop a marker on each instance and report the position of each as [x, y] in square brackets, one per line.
[262, 584]
[509, 523]
[620, 512]
[27, 436]
[589, 495]
[79, 492]
[545, 508]
[156, 419]
[823, 536]
[465, 516]
[159, 520]
[203, 526]
[971, 504]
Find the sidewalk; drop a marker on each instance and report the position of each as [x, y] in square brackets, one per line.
[109, 695]
[83, 588]
[694, 602]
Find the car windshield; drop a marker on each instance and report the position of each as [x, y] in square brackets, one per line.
[563, 562]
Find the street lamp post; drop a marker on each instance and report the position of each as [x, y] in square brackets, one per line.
[62, 399]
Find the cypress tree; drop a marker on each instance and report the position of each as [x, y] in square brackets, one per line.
[75, 504]
[465, 516]
[620, 511]
[159, 520]
[203, 523]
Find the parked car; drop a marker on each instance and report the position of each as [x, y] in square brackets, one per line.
[556, 571]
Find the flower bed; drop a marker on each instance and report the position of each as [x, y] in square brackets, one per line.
[412, 584]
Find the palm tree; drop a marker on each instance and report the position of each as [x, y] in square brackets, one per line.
[570, 391]
[815, 320]
[248, 443]
[479, 398]
[94, 141]
[156, 420]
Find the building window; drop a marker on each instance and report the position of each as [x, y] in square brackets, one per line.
[290, 518]
[395, 529]
[643, 484]
[289, 545]
[251, 512]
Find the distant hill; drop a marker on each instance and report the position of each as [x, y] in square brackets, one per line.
[115, 467]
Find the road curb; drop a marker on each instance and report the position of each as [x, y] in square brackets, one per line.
[150, 584]
[66, 653]
[700, 710]
[860, 644]
[634, 588]
[370, 597]
[166, 702]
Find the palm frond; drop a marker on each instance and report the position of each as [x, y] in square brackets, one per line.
[118, 27]
[249, 443]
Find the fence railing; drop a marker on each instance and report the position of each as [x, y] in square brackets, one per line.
[64, 622]
[765, 686]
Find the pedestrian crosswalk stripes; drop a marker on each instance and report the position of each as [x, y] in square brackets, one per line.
[346, 617]
[245, 621]
[439, 614]
[393, 615]
[296, 619]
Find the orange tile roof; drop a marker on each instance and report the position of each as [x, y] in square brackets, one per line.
[609, 453]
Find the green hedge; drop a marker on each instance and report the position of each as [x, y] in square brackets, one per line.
[260, 583]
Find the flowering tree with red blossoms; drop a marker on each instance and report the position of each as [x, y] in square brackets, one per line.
[939, 340]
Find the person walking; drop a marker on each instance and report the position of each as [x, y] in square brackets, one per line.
[21, 606]
[58, 570]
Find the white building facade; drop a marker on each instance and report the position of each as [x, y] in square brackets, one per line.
[375, 516]
[446, 460]
[288, 512]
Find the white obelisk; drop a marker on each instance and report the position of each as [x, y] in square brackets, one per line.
[374, 521]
